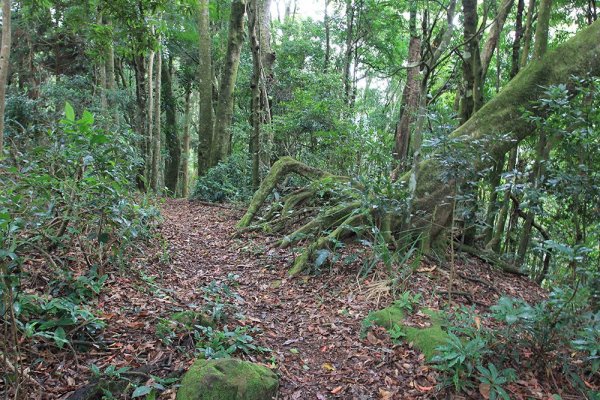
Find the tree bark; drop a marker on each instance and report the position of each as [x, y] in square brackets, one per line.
[472, 97]
[224, 114]
[528, 33]
[205, 87]
[185, 156]
[171, 134]
[493, 37]
[410, 96]
[150, 123]
[541, 32]
[516, 48]
[327, 23]
[349, 49]
[157, 135]
[4, 64]
[254, 145]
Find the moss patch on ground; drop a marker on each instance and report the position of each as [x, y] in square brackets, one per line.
[425, 340]
[228, 379]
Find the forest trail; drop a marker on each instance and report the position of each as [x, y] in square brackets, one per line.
[312, 324]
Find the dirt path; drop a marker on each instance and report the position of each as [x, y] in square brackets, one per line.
[312, 324]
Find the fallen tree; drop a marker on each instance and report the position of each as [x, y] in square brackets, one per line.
[490, 133]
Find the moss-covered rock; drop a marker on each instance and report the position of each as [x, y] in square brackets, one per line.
[228, 379]
[425, 340]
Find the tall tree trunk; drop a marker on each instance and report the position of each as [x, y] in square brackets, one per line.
[254, 145]
[185, 156]
[110, 63]
[157, 135]
[205, 87]
[493, 38]
[141, 115]
[4, 63]
[150, 123]
[350, 12]
[410, 95]
[471, 98]
[102, 73]
[267, 57]
[171, 135]
[541, 32]
[224, 114]
[528, 33]
[327, 24]
[516, 48]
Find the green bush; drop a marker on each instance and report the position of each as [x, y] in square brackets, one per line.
[74, 205]
[228, 181]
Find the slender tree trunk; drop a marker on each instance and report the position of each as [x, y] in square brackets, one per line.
[543, 150]
[254, 145]
[410, 96]
[224, 114]
[496, 240]
[493, 38]
[110, 64]
[471, 99]
[185, 156]
[528, 33]
[516, 48]
[267, 57]
[205, 87]
[141, 115]
[157, 135]
[4, 64]
[349, 49]
[171, 135]
[150, 123]
[492, 209]
[541, 32]
[327, 24]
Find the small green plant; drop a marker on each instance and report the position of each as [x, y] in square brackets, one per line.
[220, 300]
[458, 360]
[212, 343]
[494, 379]
[397, 334]
[407, 301]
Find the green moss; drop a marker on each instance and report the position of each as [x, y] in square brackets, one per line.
[425, 340]
[386, 318]
[228, 379]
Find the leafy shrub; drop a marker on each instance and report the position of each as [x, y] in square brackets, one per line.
[549, 333]
[228, 181]
[74, 205]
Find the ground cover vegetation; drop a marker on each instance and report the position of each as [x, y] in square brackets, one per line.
[332, 199]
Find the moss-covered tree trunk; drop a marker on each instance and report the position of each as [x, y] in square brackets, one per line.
[497, 128]
[224, 112]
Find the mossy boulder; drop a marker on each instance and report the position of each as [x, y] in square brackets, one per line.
[425, 340]
[228, 379]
